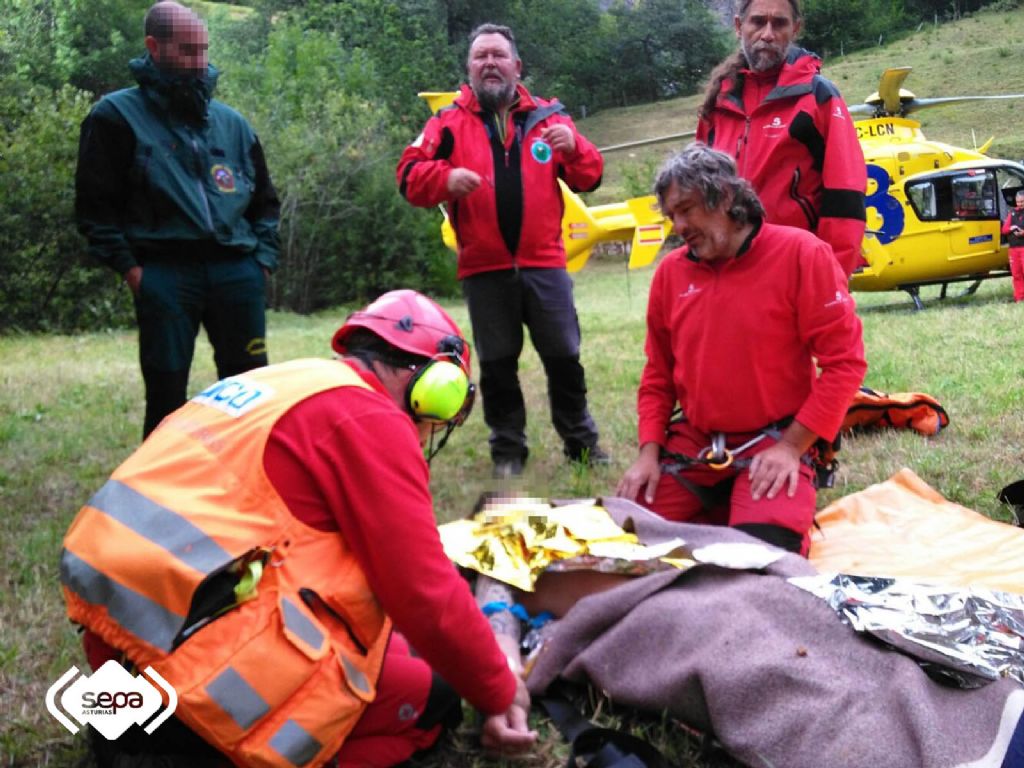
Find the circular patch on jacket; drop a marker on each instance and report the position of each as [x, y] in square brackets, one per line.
[223, 178]
[541, 151]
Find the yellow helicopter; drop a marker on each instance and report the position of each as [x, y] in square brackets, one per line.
[934, 210]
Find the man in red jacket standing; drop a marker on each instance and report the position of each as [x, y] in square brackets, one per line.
[1013, 228]
[788, 128]
[494, 158]
[738, 321]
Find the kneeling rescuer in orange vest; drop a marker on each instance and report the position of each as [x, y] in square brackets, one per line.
[271, 551]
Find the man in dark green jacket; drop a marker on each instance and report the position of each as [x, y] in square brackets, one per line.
[173, 193]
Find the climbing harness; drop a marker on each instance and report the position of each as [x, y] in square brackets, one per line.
[821, 458]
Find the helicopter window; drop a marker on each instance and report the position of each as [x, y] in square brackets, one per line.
[923, 198]
[974, 196]
[933, 199]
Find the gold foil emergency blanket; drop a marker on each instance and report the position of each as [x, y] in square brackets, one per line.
[515, 540]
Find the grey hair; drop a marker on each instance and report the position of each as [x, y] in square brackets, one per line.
[712, 175]
[495, 29]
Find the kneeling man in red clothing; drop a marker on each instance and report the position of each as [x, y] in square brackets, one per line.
[739, 322]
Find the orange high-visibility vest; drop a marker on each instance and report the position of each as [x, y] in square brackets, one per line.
[161, 564]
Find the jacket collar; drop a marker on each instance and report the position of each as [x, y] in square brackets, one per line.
[799, 68]
[467, 99]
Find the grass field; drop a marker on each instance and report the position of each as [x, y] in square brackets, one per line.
[71, 411]
[71, 407]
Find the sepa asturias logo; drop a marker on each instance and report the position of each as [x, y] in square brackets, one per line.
[111, 700]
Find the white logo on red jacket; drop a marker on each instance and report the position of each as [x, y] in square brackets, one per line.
[841, 298]
[692, 290]
[775, 128]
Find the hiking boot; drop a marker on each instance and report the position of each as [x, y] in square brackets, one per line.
[591, 456]
[506, 468]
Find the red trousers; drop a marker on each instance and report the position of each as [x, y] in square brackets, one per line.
[674, 501]
[1017, 271]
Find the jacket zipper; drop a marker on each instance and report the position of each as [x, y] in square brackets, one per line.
[741, 142]
[515, 137]
[803, 202]
[200, 187]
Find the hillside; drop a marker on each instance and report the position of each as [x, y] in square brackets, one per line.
[979, 55]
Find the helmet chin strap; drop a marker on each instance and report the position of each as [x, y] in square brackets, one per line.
[432, 451]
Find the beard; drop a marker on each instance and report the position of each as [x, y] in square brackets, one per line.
[764, 57]
[189, 96]
[187, 92]
[494, 97]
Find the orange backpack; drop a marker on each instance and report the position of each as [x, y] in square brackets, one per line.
[872, 409]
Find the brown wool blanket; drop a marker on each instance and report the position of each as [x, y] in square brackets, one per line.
[767, 668]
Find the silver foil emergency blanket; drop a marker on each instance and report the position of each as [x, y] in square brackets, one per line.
[967, 637]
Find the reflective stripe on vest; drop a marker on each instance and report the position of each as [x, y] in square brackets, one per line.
[167, 529]
[136, 613]
[300, 626]
[294, 743]
[236, 697]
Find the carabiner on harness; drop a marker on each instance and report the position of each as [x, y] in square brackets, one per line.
[721, 461]
[717, 456]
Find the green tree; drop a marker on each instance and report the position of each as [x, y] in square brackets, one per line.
[332, 146]
[832, 27]
[663, 48]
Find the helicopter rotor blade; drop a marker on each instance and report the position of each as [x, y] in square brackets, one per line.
[918, 104]
[645, 142]
[862, 111]
[889, 88]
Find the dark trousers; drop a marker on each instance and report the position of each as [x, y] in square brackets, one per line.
[500, 304]
[225, 296]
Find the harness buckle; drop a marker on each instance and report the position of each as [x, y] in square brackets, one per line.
[716, 455]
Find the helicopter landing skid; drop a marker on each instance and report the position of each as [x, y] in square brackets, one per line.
[915, 295]
[975, 280]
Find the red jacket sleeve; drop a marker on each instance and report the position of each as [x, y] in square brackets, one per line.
[423, 168]
[582, 171]
[828, 323]
[348, 460]
[844, 182]
[703, 131]
[1006, 224]
[656, 396]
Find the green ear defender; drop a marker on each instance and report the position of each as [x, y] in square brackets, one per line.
[441, 392]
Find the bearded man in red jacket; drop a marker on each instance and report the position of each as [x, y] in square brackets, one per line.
[768, 106]
[739, 320]
[494, 158]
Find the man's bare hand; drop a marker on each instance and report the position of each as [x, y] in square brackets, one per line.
[560, 138]
[133, 279]
[509, 733]
[462, 181]
[643, 476]
[773, 469]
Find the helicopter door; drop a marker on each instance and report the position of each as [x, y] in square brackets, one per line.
[966, 205]
[1009, 181]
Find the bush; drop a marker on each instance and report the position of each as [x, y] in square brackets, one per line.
[46, 283]
[346, 234]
